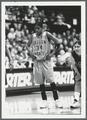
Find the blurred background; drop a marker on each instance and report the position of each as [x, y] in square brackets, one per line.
[64, 22]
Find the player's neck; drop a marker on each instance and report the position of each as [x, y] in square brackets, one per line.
[39, 34]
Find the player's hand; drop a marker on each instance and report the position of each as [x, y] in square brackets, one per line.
[41, 59]
[48, 57]
[70, 61]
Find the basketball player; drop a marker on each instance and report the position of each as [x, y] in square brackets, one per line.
[39, 50]
[75, 63]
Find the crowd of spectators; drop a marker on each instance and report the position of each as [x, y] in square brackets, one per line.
[31, 14]
[18, 28]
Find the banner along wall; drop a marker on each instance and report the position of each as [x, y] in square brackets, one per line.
[22, 80]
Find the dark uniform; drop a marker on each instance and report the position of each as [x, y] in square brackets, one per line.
[77, 72]
[77, 59]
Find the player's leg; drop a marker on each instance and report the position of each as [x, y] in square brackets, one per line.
[39, 78]
[77, 89]
[48, 72]
[44, 103]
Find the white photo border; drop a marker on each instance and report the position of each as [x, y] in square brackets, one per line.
[83, 54]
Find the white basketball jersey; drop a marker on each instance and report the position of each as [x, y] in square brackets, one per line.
[40, 45]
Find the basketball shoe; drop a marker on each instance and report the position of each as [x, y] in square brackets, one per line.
[75, 104]
[58, 104]
[44, 104]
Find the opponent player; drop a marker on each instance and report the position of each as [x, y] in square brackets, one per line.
[75, 62]
[39, 50]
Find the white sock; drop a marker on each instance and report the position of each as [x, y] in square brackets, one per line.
[77, 95]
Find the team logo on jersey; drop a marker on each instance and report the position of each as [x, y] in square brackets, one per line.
[40, 47]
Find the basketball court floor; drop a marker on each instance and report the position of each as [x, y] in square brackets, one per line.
[30, 105]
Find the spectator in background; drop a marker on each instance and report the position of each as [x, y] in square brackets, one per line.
[7, 29]
[59, 25]
[11, 35]
[68, 35]
[64, 34]
[24, 28]
[52, 18]
[60, 21]
[54, 34]
[32, 19]
[38, 20]
[19, 33]
[42, 14]
[74, 33]
[18, 16]
[60, 59]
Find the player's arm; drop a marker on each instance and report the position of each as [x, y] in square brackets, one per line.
[53, 38]
[28, 48]
[51, 54]
[71, 62]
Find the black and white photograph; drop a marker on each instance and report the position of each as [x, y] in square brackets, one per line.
[43, 59]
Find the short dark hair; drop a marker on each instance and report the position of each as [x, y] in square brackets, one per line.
[78, 42]
[37, 25]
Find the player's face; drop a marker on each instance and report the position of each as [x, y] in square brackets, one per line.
[38, 30]
[77, 48]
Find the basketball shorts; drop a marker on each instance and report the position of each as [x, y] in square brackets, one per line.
[42, 71]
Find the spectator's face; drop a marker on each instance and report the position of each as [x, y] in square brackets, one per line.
[73, 33]
[54, 34]
[12, 30]
[62, 52]
[65, 42]
[59, 36]
[77, 48]
[59, 19]
[71, 43]
[27, 31]
[15, 25]
[19, 27]
[70, 49]
[61, 46]
[25, 27]
[64, 34]
[74, 30]
[39, 19]
[66, 48]
[68, 32]
[19, 48]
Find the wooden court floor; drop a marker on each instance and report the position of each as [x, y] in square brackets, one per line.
[30, 105]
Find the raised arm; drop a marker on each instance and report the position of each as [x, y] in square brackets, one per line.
[53, 38]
